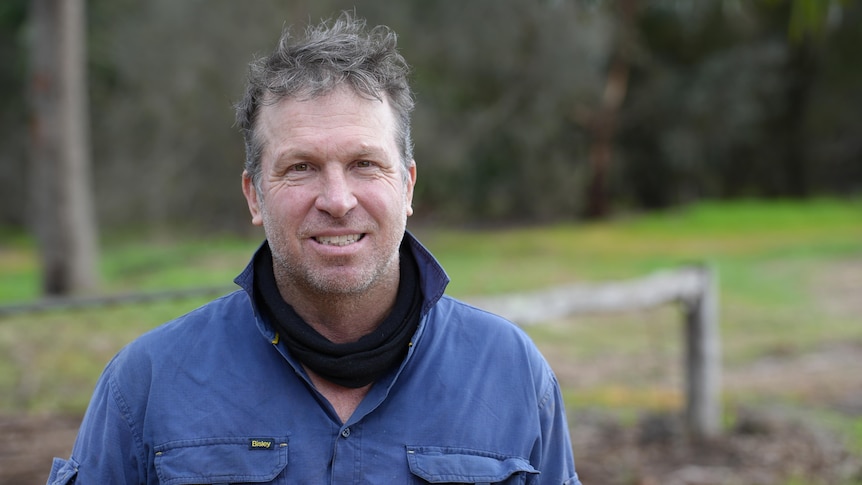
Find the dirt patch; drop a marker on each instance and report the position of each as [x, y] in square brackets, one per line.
[765, 448]
[29, 443]
[772, 443]
[825, 377]
[837, 289]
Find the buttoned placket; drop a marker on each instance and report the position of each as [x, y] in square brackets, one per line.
[347, 449]
[346, 457]
[347, 452]
[346, 464]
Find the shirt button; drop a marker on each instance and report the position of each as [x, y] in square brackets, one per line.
[345, 432]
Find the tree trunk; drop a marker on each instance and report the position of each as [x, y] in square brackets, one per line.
[603, 125]
[802, 73]
[602, 133]
[63, 214]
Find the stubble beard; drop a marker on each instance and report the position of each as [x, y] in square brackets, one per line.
[323, 280]
[327, 282]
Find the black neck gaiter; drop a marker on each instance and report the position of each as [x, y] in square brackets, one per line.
[353, 364]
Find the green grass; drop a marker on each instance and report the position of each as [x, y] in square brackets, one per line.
[49, 361]
[134, 265]
[734, 234]
[770, 258]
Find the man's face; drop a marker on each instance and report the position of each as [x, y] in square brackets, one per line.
[333, 200]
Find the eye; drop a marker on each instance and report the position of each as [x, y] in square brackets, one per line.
[299, 167]
[364, 164]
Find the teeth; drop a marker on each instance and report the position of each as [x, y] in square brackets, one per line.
[339, 240]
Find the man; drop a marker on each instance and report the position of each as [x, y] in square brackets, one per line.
[340, 360]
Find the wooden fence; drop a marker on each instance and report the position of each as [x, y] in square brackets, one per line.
[693, 287]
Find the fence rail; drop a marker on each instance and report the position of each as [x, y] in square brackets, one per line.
[81, 302]
[693, 287]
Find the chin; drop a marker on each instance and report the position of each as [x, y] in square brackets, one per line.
[341, 284]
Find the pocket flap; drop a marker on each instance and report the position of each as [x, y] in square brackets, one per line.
[221, 460]
[63, 472]
[459, 465]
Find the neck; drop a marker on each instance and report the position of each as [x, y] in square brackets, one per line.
[343, 318]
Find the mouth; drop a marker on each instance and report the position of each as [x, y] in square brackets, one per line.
[338, 240]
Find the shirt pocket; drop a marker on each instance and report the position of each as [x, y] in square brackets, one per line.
[63, 472]
[436, 464]
[221, 460]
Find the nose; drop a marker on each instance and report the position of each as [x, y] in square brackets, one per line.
[336, 195]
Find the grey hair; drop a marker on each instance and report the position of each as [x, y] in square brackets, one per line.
[330, 55]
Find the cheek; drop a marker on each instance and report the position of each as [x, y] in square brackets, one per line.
[392, 204]
[276, 214]
[289, 202]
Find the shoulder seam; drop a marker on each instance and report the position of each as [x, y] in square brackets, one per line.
[125, 411]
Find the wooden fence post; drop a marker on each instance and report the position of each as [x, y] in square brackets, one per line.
[695, 288]
[703, 359]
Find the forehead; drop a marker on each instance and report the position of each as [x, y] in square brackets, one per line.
[340, 116]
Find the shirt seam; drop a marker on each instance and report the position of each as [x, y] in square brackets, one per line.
[550, 386]
[126, 413]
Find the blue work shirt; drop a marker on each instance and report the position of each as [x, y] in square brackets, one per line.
[215, 397]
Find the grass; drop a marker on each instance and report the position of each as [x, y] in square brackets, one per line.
[729, 234]
[770, 257]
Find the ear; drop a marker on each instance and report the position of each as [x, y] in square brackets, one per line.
[251, 198]
[411, 182]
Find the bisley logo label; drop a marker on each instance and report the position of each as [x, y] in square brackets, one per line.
[260, 443]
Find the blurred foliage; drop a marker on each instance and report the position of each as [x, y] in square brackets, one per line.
[725, 99]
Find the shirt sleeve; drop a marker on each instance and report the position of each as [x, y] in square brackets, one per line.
[107, 449]
[555, 461]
